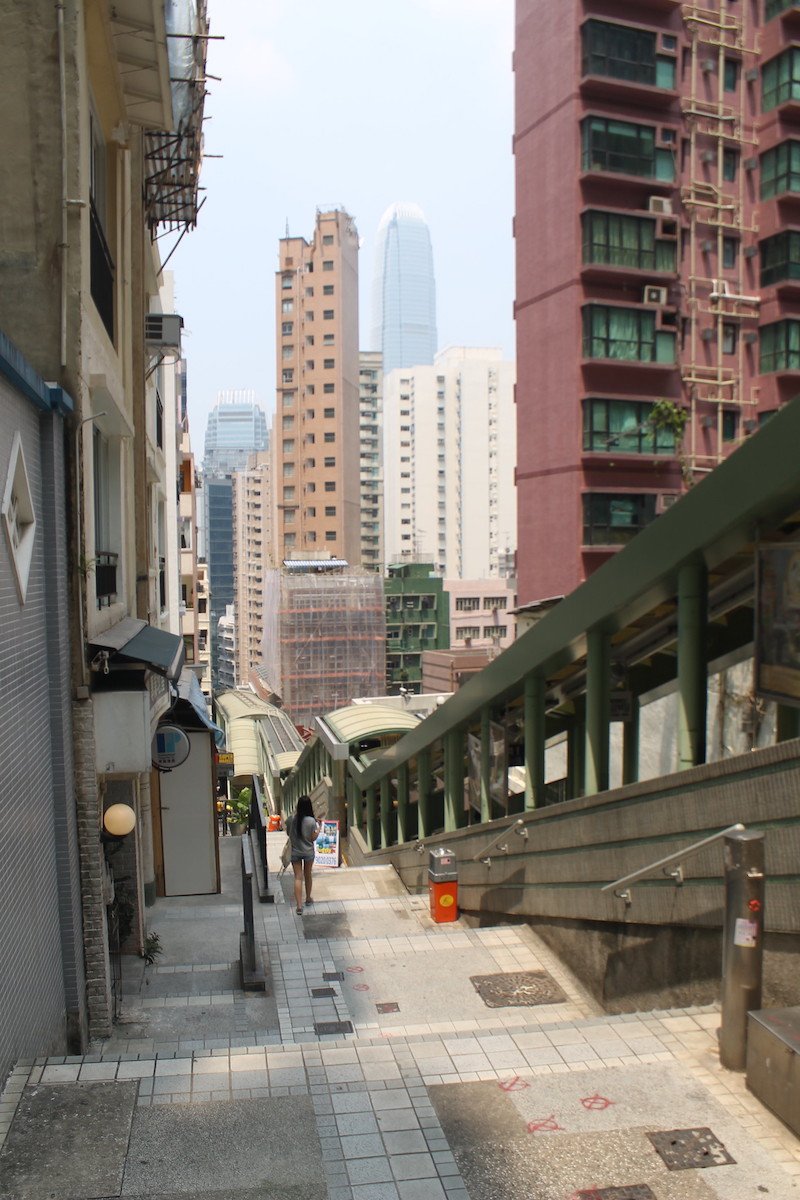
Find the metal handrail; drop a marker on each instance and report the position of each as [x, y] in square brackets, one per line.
[665, 862]
[518, 827]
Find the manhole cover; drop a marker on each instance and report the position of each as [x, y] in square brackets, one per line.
[320, 993]
[389, 1006]
[633, 1191]
[518, 989]
[684, 1148]
[321, 1027]
[333, 976]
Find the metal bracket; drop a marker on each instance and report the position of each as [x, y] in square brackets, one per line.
[677, 875]
[626, 896]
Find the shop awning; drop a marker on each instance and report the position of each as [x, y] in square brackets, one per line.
[136, 641]
[189, 690]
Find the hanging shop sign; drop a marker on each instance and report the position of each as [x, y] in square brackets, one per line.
[170, 747]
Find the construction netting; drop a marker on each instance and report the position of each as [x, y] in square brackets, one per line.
[324, 639]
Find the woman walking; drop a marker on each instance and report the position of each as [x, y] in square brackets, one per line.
[303, 830]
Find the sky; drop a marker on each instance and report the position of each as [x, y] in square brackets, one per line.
[354, 104]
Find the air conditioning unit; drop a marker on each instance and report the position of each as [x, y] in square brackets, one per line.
[654, 295]
[659, 204]
[751, 163]
[751, 337]
[720, 288]
[707, 65]
[708, 156]
[665, 500]
[163, 330]
[750, 251]
[707, 246]
[751, 76]
[706, 335]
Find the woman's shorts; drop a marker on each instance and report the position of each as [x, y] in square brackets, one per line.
[296, 857]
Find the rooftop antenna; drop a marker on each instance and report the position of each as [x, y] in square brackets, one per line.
[287, 227]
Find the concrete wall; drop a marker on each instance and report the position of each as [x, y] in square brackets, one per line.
[42, 977]
[665, 947]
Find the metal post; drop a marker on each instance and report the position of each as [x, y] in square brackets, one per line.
[534, 734]
[692, 681]
[630, 744]
[371, 816]
[402, 802]
[742, 943]
[354, 803]
[576, 748]
[453, 780]
[386, 808]
[598, 709]
[423, 793]
[486, 763]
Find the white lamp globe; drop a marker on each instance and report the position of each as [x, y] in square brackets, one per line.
[119, 820]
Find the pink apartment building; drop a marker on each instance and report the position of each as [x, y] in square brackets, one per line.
[657, 230]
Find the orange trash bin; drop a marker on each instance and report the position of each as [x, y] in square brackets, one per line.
[443, 885]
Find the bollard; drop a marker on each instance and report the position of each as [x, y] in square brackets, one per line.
[742, 943]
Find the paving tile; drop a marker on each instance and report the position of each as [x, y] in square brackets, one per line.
[414, 1166]
[362, 1145]
[369, 1170]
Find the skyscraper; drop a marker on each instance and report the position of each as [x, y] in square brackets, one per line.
[316, 482]
[237, 428]
[404, 290]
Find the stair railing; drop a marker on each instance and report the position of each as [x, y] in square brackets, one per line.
[518, 827]
[664, 863]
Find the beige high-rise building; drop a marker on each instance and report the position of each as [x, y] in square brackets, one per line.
[371, 416]
[316, 480]
[251, 541]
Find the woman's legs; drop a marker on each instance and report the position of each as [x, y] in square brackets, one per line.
[297, 867]
[308, 867]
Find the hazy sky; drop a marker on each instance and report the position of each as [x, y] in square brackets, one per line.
[357, 103]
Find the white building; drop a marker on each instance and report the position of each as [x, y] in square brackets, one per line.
[481, 613]
[370, 392]
[449, 450]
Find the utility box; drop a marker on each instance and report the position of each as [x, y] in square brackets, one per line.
[773, 1062]
[443, 885]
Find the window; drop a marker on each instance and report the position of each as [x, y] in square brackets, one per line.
[499, 602]
[612, 520]
[730, 426]
[287, 351]
[623, 241]
[287, 306]
[329, 462]
[328, 388]
[288, 493]
[288, 422]
[329, 412]
[330, 510]
[622, 52]
[730, 164]
[773, 7]
[287, 376]
[328, 314]
[623, 427]
[288, 399]
[624, 148]
[729, 337]
[330, 486]
[288, 445]
[328, 364]
[330, 437]
[311, 512]
[780, 169]
[468, 631]
[327, 239]
[780, 347]
[730, 251]
[467, 603]
[330, 535]
[495, 631]
[628, 334]
[287, 328]
[780, 79]
[286, 280]
[327, 264]
[327, 289]
[780, 257]
[730, 77]
[328, 339]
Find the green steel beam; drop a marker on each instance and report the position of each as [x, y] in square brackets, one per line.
[630, 744]
[386, 810]
[486, 764]
[453, 780]
[402, 802]
[534, 723]
[692, 670]
[371, 814]
[423, 792]
[598, 709]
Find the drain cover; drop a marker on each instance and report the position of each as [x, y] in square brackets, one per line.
[389, 1006]
[319, 993]
[633, 1191]
[517, 989]
[684, 1148]
[333, 976]
[321, 1027]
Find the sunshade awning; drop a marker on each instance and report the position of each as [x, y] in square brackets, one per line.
[136, 641]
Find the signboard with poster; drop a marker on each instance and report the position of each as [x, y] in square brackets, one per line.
[778, 622]
[326, 847]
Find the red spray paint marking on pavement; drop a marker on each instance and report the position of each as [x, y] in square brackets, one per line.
[514, 1084]
[546, 1125]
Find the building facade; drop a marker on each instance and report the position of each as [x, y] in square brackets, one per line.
[252, 512]
[316, 477]
[237, 427]
[449, 454]
[657, 317]
[482, 613]
[218, 500]
[404, 290]
[417, 619]
[370, 398]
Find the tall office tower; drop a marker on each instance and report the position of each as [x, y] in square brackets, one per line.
[370, 399]
[404, 290]
[237, 427]
[218, 499]
[252, 508]
[658, 321]
[449, 456]
[316, 482]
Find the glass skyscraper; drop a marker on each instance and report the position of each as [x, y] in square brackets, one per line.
[237, 428]
[404, 290]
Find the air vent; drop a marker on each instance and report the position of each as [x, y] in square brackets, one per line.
[654, 295]
[163, 330]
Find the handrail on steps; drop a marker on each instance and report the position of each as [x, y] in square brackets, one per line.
[665, 862]
[518, 827]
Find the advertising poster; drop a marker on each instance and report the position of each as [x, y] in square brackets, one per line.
[326, 847]
[778, 622]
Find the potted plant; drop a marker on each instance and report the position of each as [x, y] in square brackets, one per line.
[239, 812]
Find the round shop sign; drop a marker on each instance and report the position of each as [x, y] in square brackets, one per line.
[446, 901]
[171, 747]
